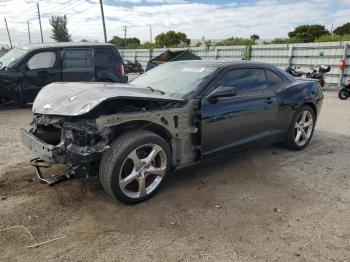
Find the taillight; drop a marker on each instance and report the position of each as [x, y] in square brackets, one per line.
[121, 70]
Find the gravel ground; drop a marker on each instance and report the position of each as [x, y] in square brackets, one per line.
[267, 204]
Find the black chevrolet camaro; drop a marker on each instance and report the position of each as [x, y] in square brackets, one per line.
[176, 115]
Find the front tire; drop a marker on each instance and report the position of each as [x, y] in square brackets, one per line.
[301, 129]
[135, 166]
[344, 93]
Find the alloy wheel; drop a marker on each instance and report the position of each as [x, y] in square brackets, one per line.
[303, 128]
[142, 171]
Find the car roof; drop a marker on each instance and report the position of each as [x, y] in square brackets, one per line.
[216, 63]
[238, 64]
[62, 45]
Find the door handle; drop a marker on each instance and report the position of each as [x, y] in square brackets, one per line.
[269, 100]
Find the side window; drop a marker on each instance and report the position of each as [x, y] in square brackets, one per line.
[244, 80]
[43, 60]
[105, 57]
[77, 58]
[274, 80]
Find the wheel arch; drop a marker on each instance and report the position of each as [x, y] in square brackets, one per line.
[144, 125]
[313, 106]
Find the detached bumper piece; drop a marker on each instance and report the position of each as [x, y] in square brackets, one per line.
[46, 154]
[64, 175]
[38, 147]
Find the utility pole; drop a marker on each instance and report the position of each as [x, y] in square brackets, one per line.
[103, 21]
[332, 30]
[150, 34]
[41, 29]
[30, 40]
[125, 30]
[8, 33]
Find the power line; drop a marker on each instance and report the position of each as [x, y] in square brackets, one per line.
[82, 11]
[29, 12]
[62, 8]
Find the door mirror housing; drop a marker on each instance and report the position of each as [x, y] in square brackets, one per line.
[221, 92]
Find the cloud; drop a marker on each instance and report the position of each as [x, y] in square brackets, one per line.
[267, 18]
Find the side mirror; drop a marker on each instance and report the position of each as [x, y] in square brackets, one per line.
[222, 91]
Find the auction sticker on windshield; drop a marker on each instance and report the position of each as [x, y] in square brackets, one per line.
[194, 69]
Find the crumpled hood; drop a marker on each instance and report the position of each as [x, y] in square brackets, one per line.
[77, 98]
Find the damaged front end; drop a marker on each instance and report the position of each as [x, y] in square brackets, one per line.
[75, 126]
[58, 140]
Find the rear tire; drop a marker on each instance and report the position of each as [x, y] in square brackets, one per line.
[301, 129]
[344, 93]
[135, 166]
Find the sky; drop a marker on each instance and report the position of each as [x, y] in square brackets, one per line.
[197, 18]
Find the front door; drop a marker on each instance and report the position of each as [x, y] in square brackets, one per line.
[78, 65]
[42, 68]
[233, 121]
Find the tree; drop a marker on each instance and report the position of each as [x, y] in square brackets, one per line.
[308, 33]
[254, 37]
[132, 42]
[59, 28]
[148, 45]
[280, 41]
[343, 30]
[235, 41]
[172, 39]
[333, 38]
[208, 44]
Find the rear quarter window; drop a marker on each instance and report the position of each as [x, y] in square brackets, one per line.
[275, 81]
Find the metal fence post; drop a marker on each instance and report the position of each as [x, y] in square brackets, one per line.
[216, 53]
[150, 54]
[247, 54]
[341, 76]
[290, 56]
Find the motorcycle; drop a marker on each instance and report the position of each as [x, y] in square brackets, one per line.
[344, 93]
[133, 67]
[320, 74]
[294, 72]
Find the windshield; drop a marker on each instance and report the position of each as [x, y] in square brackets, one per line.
[174, 79]
[11, 57]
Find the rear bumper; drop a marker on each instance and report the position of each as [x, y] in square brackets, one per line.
[38, 147]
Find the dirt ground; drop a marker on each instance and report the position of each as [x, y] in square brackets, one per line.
[268, 204]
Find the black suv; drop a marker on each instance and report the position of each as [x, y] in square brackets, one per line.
[24, 71]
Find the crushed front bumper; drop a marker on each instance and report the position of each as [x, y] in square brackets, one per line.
[46, 155]
[38, 147]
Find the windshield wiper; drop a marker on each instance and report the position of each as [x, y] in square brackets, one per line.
[156, 90]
